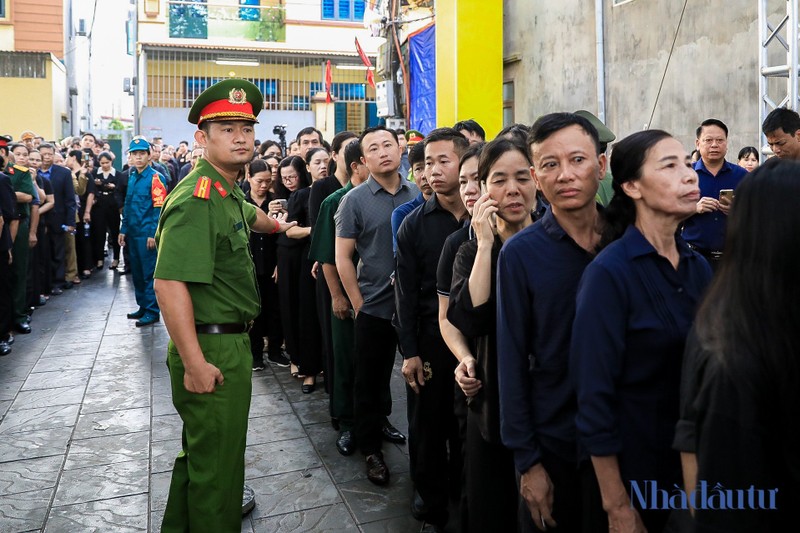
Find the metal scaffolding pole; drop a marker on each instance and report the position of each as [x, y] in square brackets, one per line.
[778, 56]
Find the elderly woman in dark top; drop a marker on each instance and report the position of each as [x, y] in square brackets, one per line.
[507, 207]
[740, 393]
[635, 305]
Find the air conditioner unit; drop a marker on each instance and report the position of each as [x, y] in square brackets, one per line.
[384, 98]
[383, 63]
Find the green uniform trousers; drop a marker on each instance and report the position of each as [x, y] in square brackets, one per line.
[205, 494]
[19, 273]
[343, 371]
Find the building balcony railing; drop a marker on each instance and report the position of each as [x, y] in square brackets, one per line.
[248, 21]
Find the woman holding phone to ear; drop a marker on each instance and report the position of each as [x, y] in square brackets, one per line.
[507, 207]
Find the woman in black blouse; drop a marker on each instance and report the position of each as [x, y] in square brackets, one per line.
[295, 283]
[263, 246]
[506, 208]
[740, 393]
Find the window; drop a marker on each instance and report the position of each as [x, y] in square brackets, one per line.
[249, 13]
[3, 9]
[194, 85]
[343, 10]
[22, 65]
[188, 20]
[508, 103]
[343, 91]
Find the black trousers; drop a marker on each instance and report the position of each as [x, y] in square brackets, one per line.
[375, 349]
[268, 322]
[309, 346]
[83, 248]
[491, 496]
[105, 221]
[324, 303]
[57, 266]
[289, 264]
[577, 505]
[434, 443]
[38, 277]
[6, 306]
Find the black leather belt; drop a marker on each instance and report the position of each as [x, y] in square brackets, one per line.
[222, 329]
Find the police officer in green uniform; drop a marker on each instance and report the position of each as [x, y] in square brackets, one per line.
[23, 188]
[206, 289]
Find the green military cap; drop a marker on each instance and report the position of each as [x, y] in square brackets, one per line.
[606, 135]
[413, 137]
[232, 99]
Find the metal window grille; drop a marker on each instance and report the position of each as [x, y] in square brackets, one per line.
[176, 77]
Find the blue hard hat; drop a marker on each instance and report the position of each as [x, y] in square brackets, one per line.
[137, 144]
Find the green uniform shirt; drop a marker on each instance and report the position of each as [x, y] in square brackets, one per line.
[606, 191]
[323, 240]
[21, 182]
[205, 243]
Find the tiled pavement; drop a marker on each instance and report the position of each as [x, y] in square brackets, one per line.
[88, 433]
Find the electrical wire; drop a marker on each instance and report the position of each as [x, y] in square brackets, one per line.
[666, 67]
[406, 89]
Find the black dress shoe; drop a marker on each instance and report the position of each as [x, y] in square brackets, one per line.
[308, 388]
[136, 314]
[377, 471]
[67, 285]
[346, 443]
[5, 349]
[391, 434]
[42, 301]
[418, 508]
[56, 291]
[22, 328]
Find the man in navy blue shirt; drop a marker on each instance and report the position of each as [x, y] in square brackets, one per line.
[705, 231]
[538, 274]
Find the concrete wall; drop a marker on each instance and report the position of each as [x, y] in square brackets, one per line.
[173, 127]
[549, 49]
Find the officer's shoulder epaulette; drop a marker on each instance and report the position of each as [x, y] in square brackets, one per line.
[21, 168]
[202, 188]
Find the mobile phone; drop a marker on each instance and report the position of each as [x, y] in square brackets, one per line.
[727, 194]
[284, 204]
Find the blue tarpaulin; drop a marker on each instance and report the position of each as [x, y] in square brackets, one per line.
[422, 74]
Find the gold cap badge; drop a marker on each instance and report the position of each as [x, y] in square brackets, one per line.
[237, 96]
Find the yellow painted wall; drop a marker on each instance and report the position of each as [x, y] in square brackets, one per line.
[469, 63]
[31, 94]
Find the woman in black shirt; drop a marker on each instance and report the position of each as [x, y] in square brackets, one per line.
[263, 247]
[507, 207]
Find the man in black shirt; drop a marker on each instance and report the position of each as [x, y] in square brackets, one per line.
[428, 363]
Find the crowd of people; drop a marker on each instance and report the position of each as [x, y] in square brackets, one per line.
[63, 208]
[582, 335]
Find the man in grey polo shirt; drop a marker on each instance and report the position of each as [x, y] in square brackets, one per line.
[363, 225]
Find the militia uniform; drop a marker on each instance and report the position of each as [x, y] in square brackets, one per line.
[21, 181]
[203, 238]
[146, 193]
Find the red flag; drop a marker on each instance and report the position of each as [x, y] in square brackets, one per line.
[367, 63]
[328, 80]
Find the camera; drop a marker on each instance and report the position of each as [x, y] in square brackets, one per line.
[280, 131]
